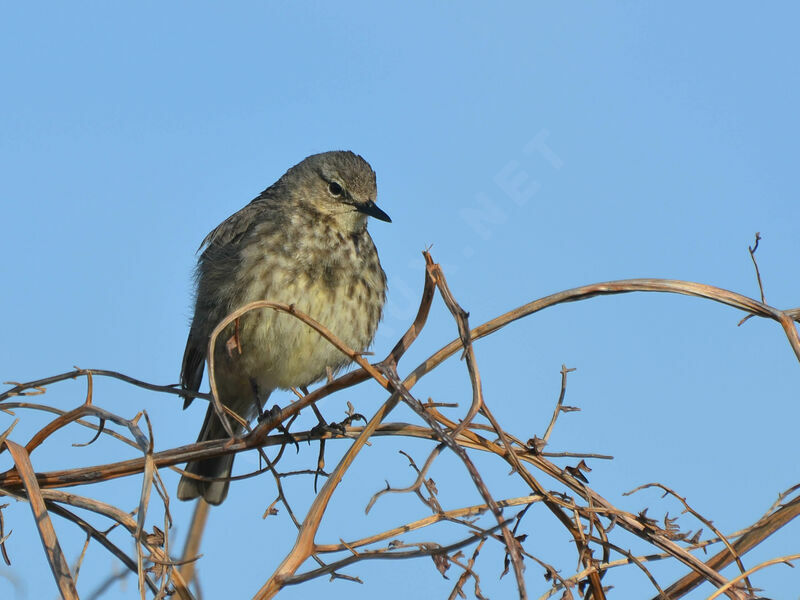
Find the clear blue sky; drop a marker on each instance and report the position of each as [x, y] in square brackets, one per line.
[129, 132]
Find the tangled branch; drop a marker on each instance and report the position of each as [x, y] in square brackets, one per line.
[586, 515]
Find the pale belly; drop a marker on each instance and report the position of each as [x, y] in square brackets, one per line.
[280, 351]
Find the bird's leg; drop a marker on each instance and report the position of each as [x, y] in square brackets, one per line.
[272, 414]
[261, 402]
[323, 426]
[322, 422]
[256, 399]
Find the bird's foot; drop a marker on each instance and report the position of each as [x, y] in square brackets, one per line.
[332, 428]
[272, 413]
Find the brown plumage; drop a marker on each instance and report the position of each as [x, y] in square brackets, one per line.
[302, 241]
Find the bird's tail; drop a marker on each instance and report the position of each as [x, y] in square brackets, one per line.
[218, 468]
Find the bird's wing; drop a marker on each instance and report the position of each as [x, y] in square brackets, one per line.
[232, 229]
[219, 253]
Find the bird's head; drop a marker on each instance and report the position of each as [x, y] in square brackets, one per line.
[340, 185]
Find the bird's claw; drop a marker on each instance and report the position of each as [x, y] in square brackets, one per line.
[333, 428]
[272, 413]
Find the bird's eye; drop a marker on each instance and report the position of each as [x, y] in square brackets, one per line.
[335, 189]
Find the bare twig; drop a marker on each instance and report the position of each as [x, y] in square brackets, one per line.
[559, 405]
[55, 557]
[586, 515]
[752, 249]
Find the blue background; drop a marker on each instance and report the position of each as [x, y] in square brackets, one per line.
[129, 132]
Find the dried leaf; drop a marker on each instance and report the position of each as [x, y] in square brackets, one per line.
[643, 518]
[536, 444]
[671, 526]
[442, 563]
[156, 538]
[576, 473]
[696, 537]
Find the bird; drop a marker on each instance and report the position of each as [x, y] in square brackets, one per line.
[304, 242]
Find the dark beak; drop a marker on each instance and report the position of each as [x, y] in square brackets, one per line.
[371, 209]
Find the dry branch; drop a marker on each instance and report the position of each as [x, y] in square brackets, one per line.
[586, 515]
[55, 557]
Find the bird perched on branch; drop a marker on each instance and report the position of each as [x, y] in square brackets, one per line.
[303, 241]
